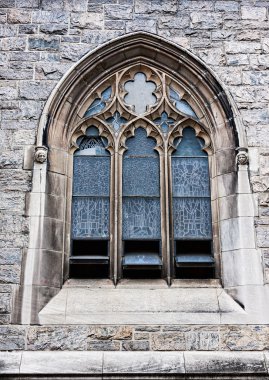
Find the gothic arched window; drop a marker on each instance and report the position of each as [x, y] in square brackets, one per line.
[141, 182]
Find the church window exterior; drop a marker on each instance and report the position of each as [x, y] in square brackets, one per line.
[141, 202]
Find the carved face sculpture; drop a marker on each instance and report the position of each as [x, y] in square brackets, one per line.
[242, 158]
[41, 155]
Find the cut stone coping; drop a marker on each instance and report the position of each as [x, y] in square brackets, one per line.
[101, 363]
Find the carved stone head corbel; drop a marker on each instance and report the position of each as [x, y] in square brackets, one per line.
[242, 156]
[41, 154]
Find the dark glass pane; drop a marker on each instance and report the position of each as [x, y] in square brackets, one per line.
[99, 104]
[116, 121]
[140, 145]
[141, 176]
[192, 218]
[91, 175]
[141, 218]
[190, 177]
[189, 145]
[90, 217]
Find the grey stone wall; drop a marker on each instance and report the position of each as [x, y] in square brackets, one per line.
[135, 338]
[42, 39]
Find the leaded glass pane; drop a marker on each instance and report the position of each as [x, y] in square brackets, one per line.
[91, 175]
[189, 145]
[181, 104]
[141, 176]
[141, 145]
[99, 104]
[140, 93]
[190, 177]
[141, 218]
[92, 146]
[90, 217]
[192, 218]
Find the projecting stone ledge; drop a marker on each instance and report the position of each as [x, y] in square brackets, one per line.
[138, 303]
[244, 364]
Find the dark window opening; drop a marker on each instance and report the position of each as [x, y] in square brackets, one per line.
[194, 259]
[89, 259]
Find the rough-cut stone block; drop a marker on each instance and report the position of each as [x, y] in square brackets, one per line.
[118, 12]
[135, 346]
[143, 362]
[206, 20]
[242, 47]
[53, 28]
[12, 338]
[73, 52]
[87, 20]
[27, 4]
[168, 342]
[17, 16]
[13, 43]
[244, 338]
[7, 3]
[98, 345]
[51, 70]
[42, 17]
[10, 274]
[157, 6]
[169, 22]
[110, 332]
[36, 90]
[227, 6]
[56, 338]
[145, 25]
[44, 43]
[10, 256]
[253, 13]
[28, 29]
[5, 300]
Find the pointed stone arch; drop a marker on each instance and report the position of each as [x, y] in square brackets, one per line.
[64, 112]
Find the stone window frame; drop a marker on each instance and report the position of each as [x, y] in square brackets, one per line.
[46, 260]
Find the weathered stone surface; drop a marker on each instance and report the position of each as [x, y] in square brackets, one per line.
[206, 20]
[55, 16]
[87, 20]
[12, 338]
[44, 43]
[28, 29]
[17, 16]
[10, 362]
[145, 25]
[247, 338]
[10, 274]
[5, 301]
[111, 332]
[36, 89]
[135, 346]
[98, 345]
[57, 338]
[73, 52]
[10, 159]
[10, 256]
[51, 70]
[53, 28]
[253, 13]
[141, 336]
[14, 43]
[159, 6]
[168, 342]
[118, 12]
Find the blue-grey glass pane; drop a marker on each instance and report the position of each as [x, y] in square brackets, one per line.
[142, 259]
[141, 176]
[90, 217]
[92, 146]
[140, 144]
[181, 104]
[116, 121]
[192, 218]
[91, 175]
[202, 258]
[99, 104]
[140, 93]
[141, 218]
[190, 177]
[189, 145]
[164, 122]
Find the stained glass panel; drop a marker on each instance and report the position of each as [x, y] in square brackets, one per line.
[192, 218]
[190, 177]
[99, 104]
[189, 145]
[92, 146]
[91, 175]
[141, 176]
[181, 104]
[141, 218]
[140, 145]
[90, 217]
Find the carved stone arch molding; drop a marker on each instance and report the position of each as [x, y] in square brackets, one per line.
[179, 76]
